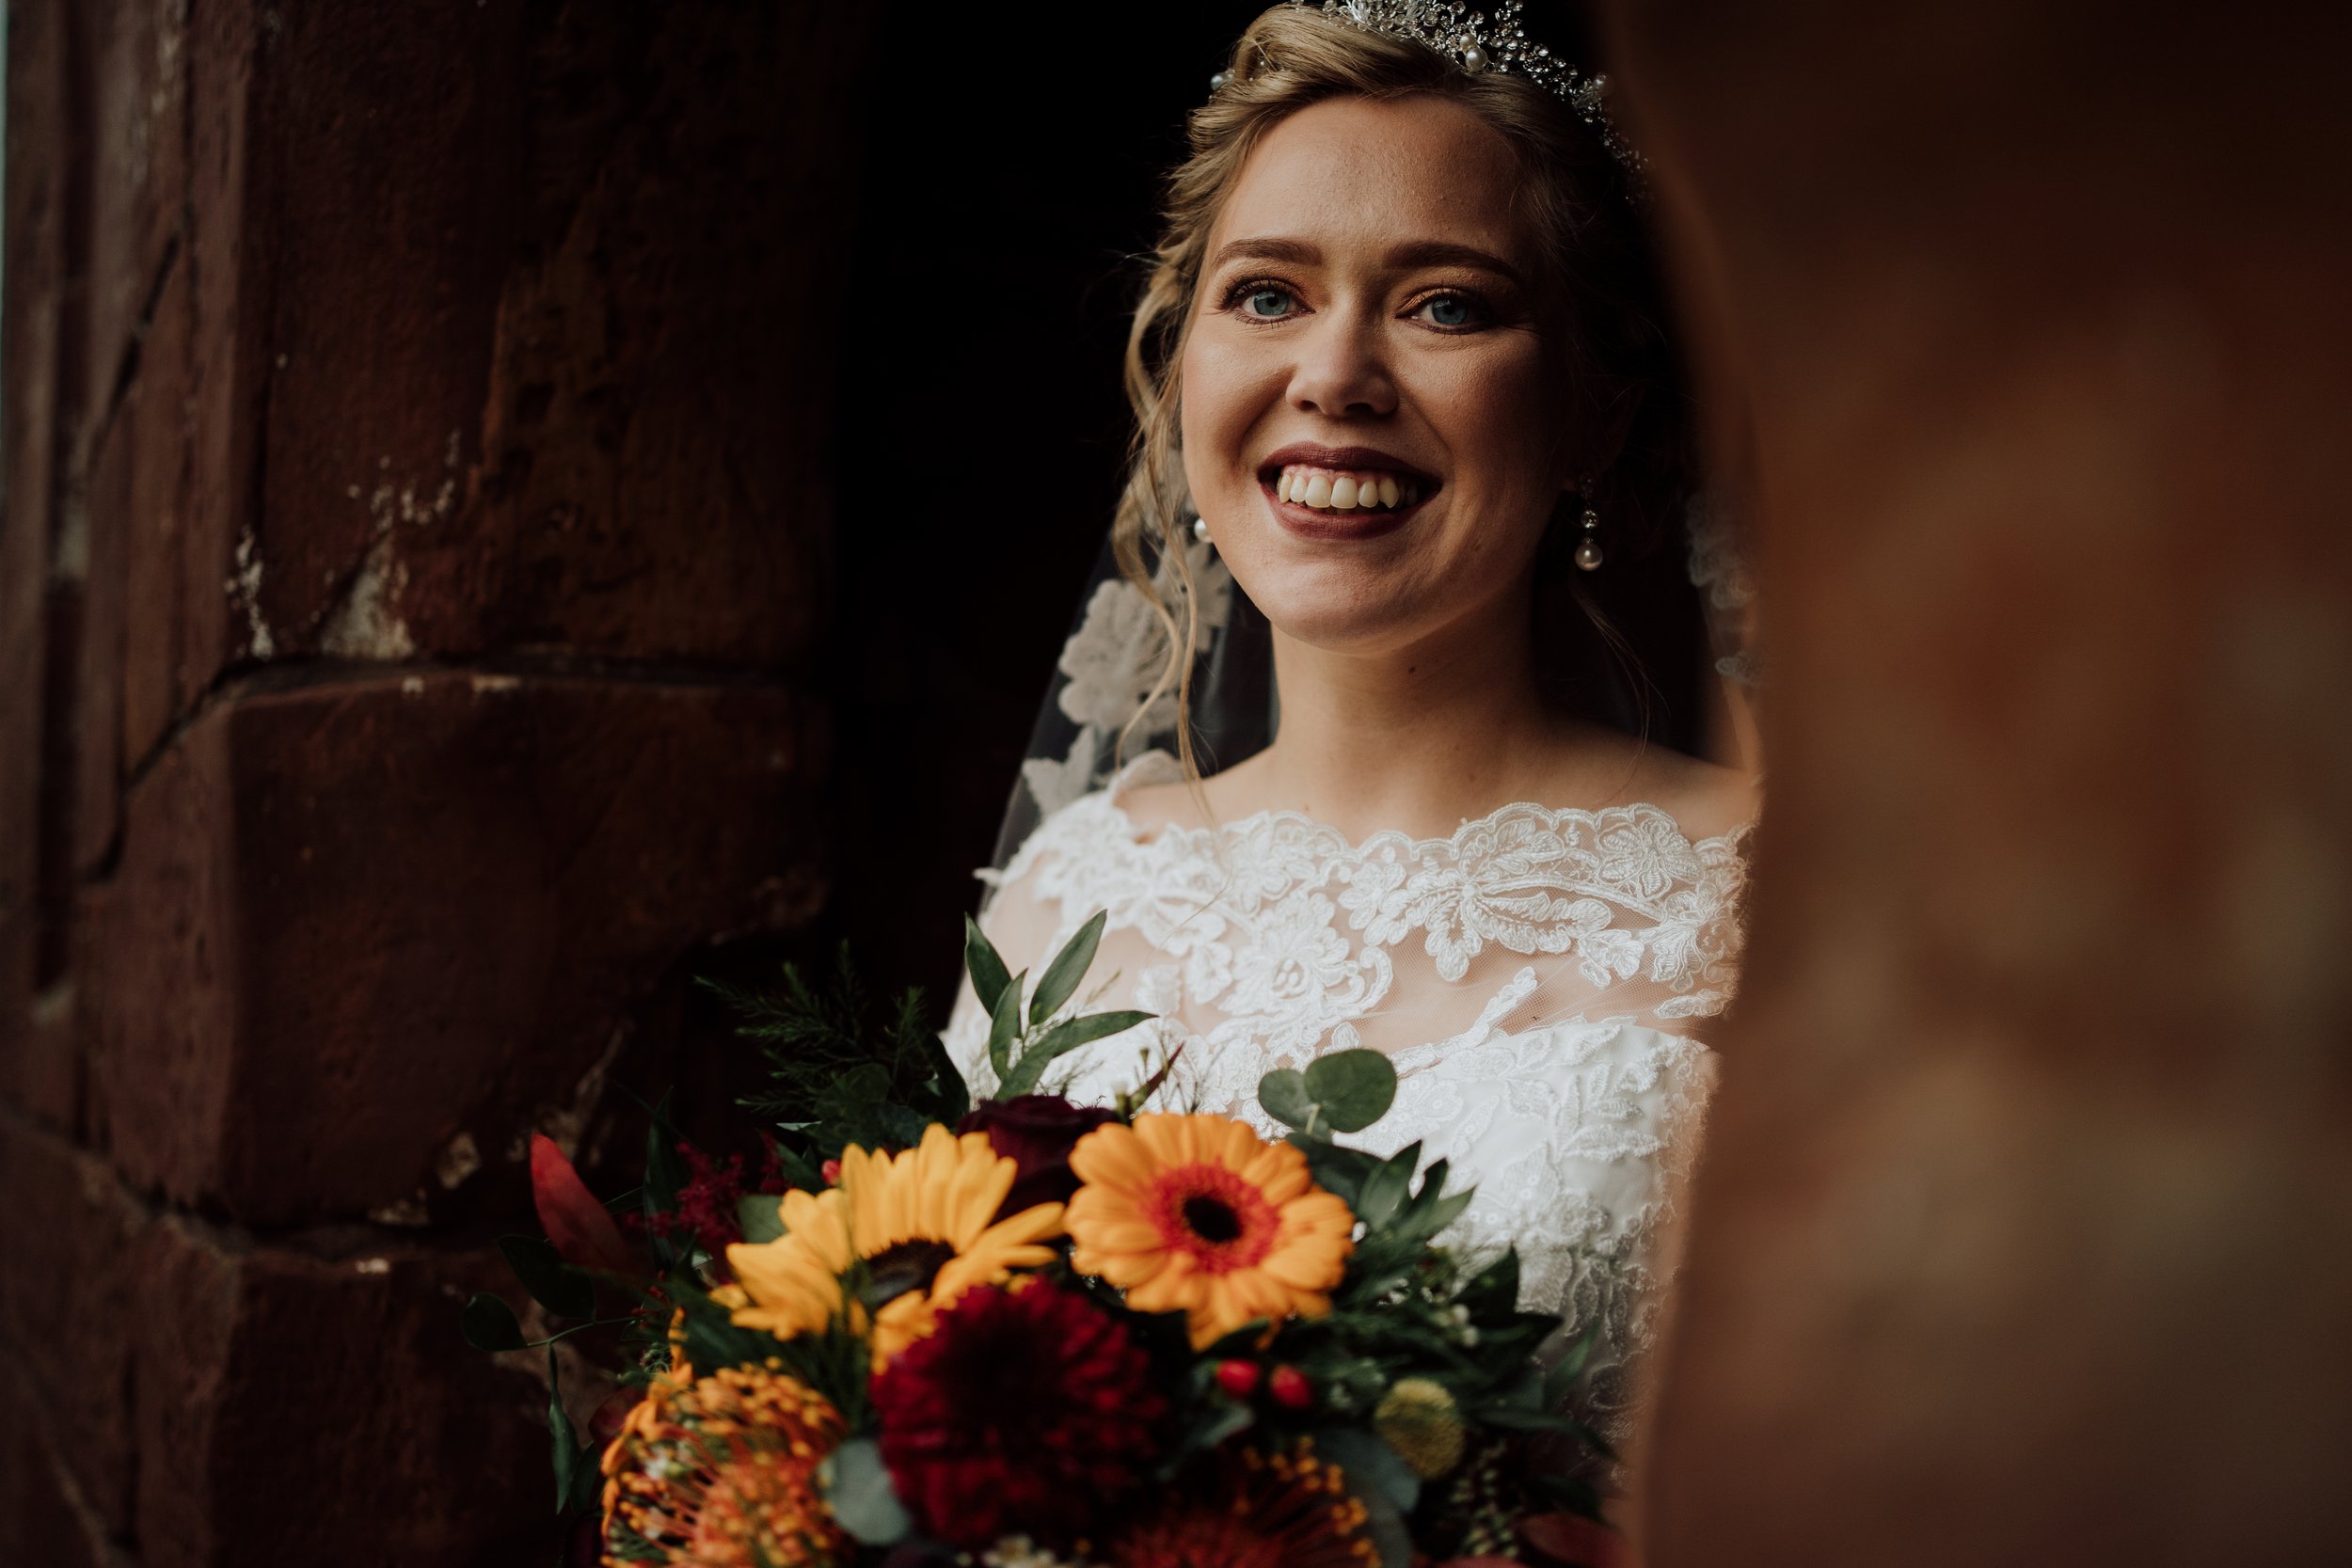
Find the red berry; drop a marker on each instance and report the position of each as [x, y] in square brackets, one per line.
[1237, 1378]
[831, 1171]
[1291, 1389]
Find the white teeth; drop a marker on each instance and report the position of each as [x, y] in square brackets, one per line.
[1326, 490]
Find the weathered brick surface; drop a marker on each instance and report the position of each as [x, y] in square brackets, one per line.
[134, 72]
[44, 1523]
[354, 921]
[75, 1244]
[299, 1409]
[31, 304]
[2019, 1235]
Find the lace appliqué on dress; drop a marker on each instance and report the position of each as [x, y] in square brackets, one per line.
[1267, 941]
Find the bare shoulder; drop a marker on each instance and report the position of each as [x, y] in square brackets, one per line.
[1704, 798]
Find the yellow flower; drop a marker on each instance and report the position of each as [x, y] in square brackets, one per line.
[1198, 1215]
[911, 1231]
[1420, 1420]
[721, 1471]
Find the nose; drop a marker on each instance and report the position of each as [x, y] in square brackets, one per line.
[1342, 370]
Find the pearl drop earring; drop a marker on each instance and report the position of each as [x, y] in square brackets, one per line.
[1200, 529]
[1588, 556]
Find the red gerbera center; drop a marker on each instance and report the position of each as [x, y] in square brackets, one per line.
[1213, 1216]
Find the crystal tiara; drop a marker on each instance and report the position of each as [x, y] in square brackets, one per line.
[1476, 44]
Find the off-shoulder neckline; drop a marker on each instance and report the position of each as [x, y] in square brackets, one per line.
[1731, 838]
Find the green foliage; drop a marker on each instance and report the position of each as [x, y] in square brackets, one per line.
[578, 1480]
[858, 1489]
[554, 1284]
[1024, 1041]
[1343, 1092]
[488, 1324]
[841, 1069]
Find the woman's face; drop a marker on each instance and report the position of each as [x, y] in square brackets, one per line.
[1366, 332]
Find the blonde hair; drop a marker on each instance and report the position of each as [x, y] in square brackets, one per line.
[1600, 287]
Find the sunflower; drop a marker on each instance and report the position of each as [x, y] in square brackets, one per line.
[907, 1233]
[721, 1472]
[1289, 1509]
[1198, 1215]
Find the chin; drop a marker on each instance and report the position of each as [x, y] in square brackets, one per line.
[1341, 607]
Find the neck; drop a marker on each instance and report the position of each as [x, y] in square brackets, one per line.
[1416, 739]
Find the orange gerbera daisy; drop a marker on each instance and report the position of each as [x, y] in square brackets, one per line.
[912, 1233]
[721, 1471]
[1200, 1216]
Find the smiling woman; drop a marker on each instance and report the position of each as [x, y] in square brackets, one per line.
[1409, 426]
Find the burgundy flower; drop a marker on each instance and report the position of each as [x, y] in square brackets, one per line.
[1037, 1130]
[1027, 1411]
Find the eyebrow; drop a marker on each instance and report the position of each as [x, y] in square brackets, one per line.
[1419, 253]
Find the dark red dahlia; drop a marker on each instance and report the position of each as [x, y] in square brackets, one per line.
[1036, 1131]
[1027, 1411]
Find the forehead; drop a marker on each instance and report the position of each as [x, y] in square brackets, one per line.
[1380, 172]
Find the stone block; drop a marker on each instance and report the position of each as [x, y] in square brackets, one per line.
[73, 1241]
[152, 441]
[300, 1407]
[495, 350]
[136, 57]
[353, 922]
[44, 1522]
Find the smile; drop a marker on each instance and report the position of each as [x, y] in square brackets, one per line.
[1326, 490]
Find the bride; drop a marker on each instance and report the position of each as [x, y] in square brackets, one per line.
[1404, 405]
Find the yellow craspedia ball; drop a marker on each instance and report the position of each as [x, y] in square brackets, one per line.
[1419, 1418]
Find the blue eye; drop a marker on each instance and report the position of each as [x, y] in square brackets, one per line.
[1452, 310]
[1268, 303]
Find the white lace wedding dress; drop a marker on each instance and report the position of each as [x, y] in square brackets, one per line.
[1533, 978]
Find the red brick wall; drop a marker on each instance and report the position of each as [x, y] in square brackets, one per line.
[412, 572]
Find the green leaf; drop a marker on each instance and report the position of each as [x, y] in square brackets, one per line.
[857, 1487]
[488, 1324]
[1069, 967]
[1282, 1095]
[1385, 1187]
[552, 1283]
[1352, 1089]
[1495, 1292]
[1004, 1026]
[1562, 1379]
[1336, 1169]
[761, 1217]
[566, 1441]
[1060, 1041]
[981, 960]
[1427, 1219]
[1371, 1466]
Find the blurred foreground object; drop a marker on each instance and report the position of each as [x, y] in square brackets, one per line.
[2023, 1234]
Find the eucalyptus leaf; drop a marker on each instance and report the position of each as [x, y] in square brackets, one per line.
[488, 1324]
[761, 1217]
[1061, 979]
[1371, 1466]
[857, 1487]
[1385, 1187]
[552, 1283]
[1427, 1219]
[1004, 1026]
[981, 960]
[1282, 1095]
[1352, 1089]
[1059, 1041]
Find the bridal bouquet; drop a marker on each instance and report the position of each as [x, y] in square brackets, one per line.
[1028, 1332]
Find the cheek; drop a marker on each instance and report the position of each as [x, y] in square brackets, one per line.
[1227, 391]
